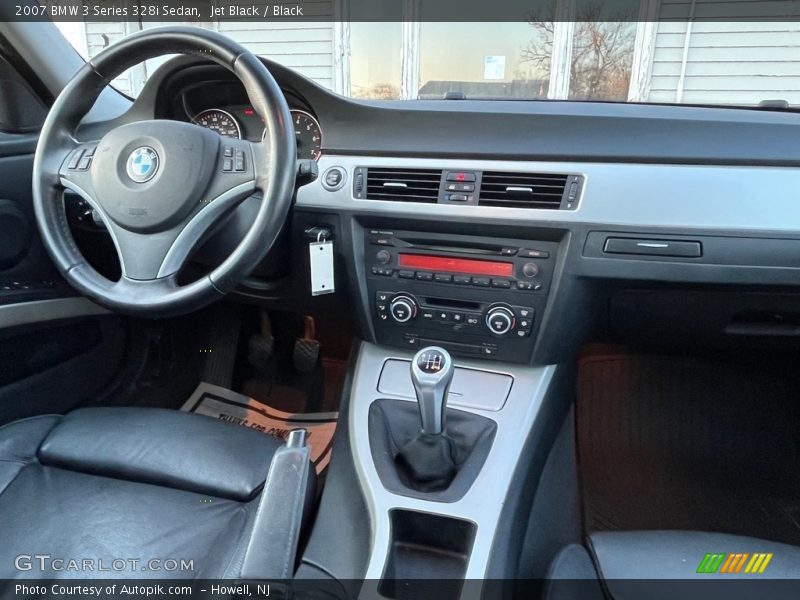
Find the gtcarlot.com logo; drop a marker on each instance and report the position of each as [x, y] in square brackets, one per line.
[735, 562]
[48, 563]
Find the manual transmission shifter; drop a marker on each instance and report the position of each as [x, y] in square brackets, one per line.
[431, 372]
[428, 458]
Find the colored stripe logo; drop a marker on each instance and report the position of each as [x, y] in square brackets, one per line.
[735, 562]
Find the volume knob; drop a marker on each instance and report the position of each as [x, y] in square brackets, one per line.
[403, 308]
[500, 320]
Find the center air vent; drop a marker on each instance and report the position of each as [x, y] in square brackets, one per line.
[404, 185]
[524, 190]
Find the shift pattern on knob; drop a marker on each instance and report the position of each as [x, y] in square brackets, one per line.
[431, 373]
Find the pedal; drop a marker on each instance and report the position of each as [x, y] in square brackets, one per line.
[306, 349]
[260, 345]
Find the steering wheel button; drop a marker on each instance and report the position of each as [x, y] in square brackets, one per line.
[227, 165]
[228, 151]
[91, 151]
[76, 158]
[85, 163]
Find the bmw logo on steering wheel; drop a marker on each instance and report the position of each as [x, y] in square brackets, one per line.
[142, 164]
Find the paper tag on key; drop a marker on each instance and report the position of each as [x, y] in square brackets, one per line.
[321, 255]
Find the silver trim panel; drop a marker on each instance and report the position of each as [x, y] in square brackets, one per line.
[615, 194]
[188, 237]
[471, 388]
[40, 311]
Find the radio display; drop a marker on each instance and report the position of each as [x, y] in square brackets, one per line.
[447, 264]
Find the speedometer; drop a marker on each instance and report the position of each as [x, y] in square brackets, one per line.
[220, 121]
[308, 132]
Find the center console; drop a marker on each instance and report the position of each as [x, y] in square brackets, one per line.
[434, 527]
[474, 296]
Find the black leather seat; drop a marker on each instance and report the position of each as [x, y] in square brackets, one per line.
[651, 565]
[140, 484]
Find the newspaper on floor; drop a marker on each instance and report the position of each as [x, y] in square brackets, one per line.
[226, 405]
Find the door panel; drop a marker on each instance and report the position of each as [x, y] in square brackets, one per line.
[56, 350]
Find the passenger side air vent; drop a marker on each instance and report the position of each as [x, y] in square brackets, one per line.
[525, 190]
[404, 185]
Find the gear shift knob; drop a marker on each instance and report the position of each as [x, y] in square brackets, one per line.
[431, 372]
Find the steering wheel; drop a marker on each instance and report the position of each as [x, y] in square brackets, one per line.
[160, 186]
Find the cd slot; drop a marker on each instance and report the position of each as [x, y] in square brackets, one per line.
[447, 246]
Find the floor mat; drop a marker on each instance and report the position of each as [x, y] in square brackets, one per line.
[224, 404]
[689, 443]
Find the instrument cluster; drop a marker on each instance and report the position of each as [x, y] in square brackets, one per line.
[242, 122]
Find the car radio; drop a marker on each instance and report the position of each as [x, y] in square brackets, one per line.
[472, 295]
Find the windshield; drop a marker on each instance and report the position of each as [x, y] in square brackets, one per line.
[606, 53]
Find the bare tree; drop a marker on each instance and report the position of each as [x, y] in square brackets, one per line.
[602, 51]
[377, 91]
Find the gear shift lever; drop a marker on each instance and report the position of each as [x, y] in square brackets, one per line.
[432, 372]
[427, 460]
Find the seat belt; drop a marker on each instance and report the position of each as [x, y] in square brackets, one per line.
[272, 549]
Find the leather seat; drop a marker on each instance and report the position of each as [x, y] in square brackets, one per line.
[663, 564]
[124, 484]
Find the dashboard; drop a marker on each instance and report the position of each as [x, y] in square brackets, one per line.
[512, 230]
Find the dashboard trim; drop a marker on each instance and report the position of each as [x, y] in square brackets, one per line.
[679, 197]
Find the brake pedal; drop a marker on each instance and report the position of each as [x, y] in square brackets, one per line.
[306, 349]
[260, 345]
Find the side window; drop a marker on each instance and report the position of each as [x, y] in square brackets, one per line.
[21, 111]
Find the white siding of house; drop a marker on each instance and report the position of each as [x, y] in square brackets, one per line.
[306, 47]
[726, 62]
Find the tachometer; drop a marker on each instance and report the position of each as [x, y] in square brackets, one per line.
[309, 134]
[223, 122]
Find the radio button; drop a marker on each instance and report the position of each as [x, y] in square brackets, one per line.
[383, 256]
[530, 270]
[443, 278]
[508, 251]
[501, 283]
[424, 276]
[530, 253]
[406, 274]
[380, 240]
[462, 279]
[481, 281]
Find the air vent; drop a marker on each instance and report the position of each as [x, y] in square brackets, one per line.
[404, 185]
[522, 190]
